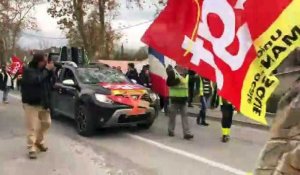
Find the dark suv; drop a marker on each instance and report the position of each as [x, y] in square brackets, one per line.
[96, 96]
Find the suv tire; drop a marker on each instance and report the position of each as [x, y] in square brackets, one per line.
[85, 123]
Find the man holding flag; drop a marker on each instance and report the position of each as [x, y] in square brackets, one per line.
[178, 96]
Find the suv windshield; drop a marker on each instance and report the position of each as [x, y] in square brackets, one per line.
[99, 75]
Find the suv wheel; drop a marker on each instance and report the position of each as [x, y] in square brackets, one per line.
[84, 121]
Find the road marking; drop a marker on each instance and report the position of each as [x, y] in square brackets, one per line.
[190, 155]
[178, 151]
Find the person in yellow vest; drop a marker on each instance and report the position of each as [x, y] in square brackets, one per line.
[227, 110]
[205, 92]
[178, 93]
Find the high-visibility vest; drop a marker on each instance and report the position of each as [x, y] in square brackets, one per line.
[180, 90]
[222, 101]
[206, 87]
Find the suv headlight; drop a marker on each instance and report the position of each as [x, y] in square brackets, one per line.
[102, 98]
[153, 96]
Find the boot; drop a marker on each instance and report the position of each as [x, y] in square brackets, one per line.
[42, 148]
[204, 124]
[32, 155]
[188, 136]
[225, 138]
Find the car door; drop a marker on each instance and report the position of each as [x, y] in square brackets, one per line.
[68, 93]
[55, 95]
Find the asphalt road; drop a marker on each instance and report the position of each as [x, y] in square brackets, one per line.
[127, 151]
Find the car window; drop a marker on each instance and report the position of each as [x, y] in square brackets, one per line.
[99, 75]
[67, 75]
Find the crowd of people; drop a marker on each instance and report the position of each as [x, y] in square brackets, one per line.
[184, 86]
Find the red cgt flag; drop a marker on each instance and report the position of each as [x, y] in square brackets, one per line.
[16, 66]
[235, 43]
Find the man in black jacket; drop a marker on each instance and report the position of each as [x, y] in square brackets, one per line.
[35, 88]
[144, 77]
[132, 73]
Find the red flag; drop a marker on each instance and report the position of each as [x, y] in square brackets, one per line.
[235, 43]
[16, 66]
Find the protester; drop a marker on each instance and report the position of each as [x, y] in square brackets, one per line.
[178, 95]
[227, 110]
[132, 73]
[7, 83]
[205, 92]
[35, 88]
[191, 85]
[144, 77]
[19, 79]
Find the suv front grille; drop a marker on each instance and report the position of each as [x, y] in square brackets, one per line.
[145, 97]
[132, 119]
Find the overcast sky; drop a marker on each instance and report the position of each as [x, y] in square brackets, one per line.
[49, 28]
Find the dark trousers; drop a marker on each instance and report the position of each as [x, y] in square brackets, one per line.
[5, 93]
[204, 104]
[18, 85]
[191, 90]
[180, 108]
[164, 103]
[227, 114]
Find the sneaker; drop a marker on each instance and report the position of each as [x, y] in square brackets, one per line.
[32, 155]
[225, 138]
[188, 136]
[42, 148]
[171, 134]
[204, 124]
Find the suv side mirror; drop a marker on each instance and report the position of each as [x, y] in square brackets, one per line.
[68, 82]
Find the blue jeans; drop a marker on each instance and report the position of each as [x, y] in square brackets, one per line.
[204, 104]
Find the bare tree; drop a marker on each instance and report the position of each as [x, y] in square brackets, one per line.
[15, 16]
[74, 17]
